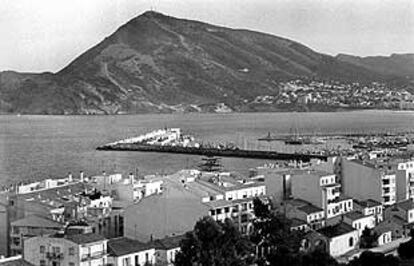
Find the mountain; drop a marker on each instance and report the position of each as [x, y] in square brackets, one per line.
[396, 64]
[158, 63]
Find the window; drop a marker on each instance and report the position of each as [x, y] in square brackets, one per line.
[72, 251]
[146, 257]
[42, 249]
[16, 230]
[351, 241]
[226, 209]
[136, 260]
[218, 211]
[126, 262]
[56, 249]
[212, 212]
[42, 263]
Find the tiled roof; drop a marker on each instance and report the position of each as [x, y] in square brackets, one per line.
[296, 222]
[336, 230]
[36, 221]
[406, 205]
[123, 245]
[85, 238]
[169, 242]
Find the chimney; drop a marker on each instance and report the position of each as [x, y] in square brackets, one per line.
[81, 176]
[70, 177]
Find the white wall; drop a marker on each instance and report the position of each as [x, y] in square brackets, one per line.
[340, 244]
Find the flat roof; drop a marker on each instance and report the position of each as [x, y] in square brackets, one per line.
[336, 230]
[355, 215]
[368, 203]
[309, 208]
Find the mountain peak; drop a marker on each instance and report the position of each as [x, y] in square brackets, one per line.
[158, 63]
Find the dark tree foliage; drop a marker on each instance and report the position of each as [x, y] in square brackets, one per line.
[214, 244]
[272, 229]
[369, 258]
[271, 243]
[368, 238]
[406, 250]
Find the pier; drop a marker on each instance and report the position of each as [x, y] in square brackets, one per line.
[236, 153]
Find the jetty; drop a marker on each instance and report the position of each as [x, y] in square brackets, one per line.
[171, 141]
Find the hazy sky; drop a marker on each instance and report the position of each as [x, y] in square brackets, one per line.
[45, 35]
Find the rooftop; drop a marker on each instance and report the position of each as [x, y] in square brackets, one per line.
[309, 208]
[406, 205]
[85, 238]
[36, 221]
[368, 203]
[17, 262]
[297, 222]
[354, 215]
[169, 242]
[336, 230]
[123, 245]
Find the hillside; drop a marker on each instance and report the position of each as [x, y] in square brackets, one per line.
[157, 63]
[396, 64]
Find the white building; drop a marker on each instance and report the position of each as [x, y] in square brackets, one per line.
[370, 207]
[340, 239]
[72, 250]
[322, 190]
[166, 249]
[127, 252]
[359, 221]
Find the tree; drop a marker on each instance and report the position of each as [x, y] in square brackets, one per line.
[405, 250]
[213, 243]
[368, 238]
[369, 258]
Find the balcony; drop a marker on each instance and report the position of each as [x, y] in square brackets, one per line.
[92, 256]
[54, 256]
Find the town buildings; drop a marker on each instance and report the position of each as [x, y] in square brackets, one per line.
[61, 249]
[28, 227]
[187, 197]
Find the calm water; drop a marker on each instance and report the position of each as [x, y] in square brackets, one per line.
[36, 147]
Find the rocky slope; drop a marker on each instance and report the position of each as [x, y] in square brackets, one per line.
[157, 63]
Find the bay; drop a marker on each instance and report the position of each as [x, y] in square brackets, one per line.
[38, 147]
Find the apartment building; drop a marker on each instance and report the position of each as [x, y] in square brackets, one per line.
[30, 226]
[364, 180]
[79, 249]
[370, 207]
[302, 210]
[322, 190]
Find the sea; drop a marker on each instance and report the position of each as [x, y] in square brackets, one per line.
[38, 147]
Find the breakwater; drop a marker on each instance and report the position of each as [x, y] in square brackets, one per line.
[237, 153]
